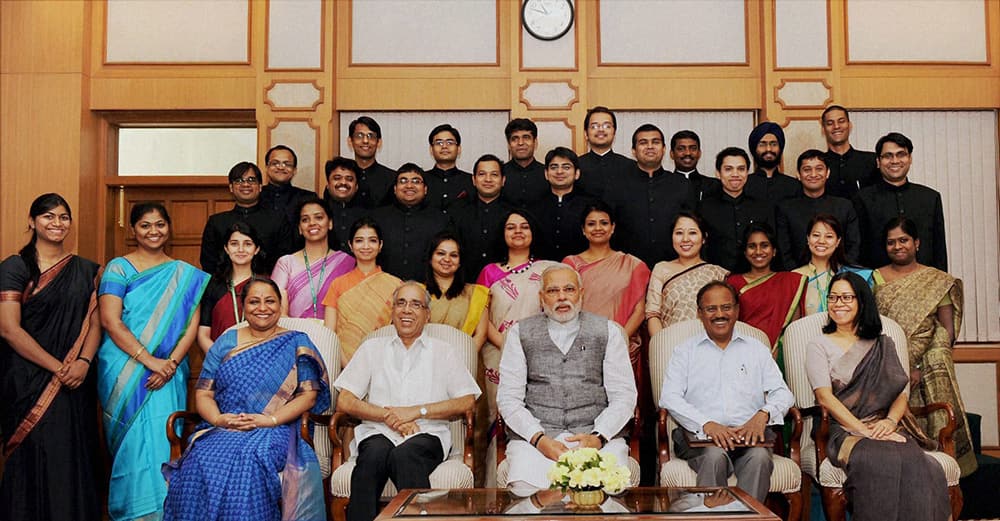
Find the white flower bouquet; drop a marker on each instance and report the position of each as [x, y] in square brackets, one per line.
[587, 469]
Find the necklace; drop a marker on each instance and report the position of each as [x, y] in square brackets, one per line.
[315, 289]
[522, 269]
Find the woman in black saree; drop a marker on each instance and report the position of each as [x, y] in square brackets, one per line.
[49, 332]
[855, 373]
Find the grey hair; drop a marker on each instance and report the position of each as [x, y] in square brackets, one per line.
[559, 267]
[411, 282]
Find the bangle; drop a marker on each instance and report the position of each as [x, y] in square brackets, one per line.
[85, 359]
[173, 361]
[274, 420]
[137, 353]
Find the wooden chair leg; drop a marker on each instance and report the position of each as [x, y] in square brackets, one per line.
[794, 505]
[338, 509]
[806, 498]
[834, 503]
[956, 499]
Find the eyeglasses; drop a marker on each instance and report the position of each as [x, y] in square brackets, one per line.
[444, 142]
[602, 126]
[554, 292]
[415, 305]
[246, 181]
[725, 308]
[286, 164]
[846, 298]
[888, 156]
[361, 136]
[415, 181]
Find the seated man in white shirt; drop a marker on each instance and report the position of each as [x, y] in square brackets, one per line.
[726, 387]
[403, 388]
[566, 383]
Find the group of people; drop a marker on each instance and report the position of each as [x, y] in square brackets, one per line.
[503, 254]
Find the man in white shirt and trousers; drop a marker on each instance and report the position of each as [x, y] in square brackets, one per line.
[404, 388]
[566, 382]
[724, 386]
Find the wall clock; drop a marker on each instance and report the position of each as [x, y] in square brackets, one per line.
[547, 19]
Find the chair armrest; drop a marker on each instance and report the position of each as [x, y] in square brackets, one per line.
[468, 452]
[337, 421]
[635, 432]
[821, 434]
[944, 436]
[501, 440]
[794, 447]
[179, 443]
[306, 419]
[663, 441]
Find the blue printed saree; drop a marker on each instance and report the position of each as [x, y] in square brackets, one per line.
[233, 475]
[157, 306]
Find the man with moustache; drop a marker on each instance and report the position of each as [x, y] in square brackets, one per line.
[767, 183]
[647, 199]
[364, 136]
[478, 222]
[567, 382]
[525, 176]
[850, 169]
[408, 225]
[403, 388]
[793, 215]
[685, 152]
[343, 197]
[279, 194]
[601, 166]
[723, 386]
[730, 210]
[560, 210]
[894, 196]
[446, 184]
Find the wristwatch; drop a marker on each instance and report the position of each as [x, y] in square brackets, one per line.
[604, 441]
[423, 412]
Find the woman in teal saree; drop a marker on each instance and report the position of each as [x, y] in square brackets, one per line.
[147, 304]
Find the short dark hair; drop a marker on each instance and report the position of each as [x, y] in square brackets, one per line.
[832, 108]
[145, 207]
[410, 168]
[596, 206]
[894, 137]
[646, 127]
[867, 323]
[259, 280]
[368, 122]
[600, 109]
[267, 156]
[730, 152]
[684, 134]
[444, 128]
[341, 162]
[487, 158]
[237, 171]
[717, 284]
[812, 153]
[564, 153]
[458, 284]
[694, 217]
[518, 124]
[904, 223]
[839, 257]
[364, 222]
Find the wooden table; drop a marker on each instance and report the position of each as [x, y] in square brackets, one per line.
[646, 503]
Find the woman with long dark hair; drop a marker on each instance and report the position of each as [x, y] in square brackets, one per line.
[825, 258]
[49, 332]
[453, 302]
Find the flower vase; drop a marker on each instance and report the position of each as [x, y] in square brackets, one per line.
[588, 499]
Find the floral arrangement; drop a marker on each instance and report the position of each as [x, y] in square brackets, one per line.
[588, 469]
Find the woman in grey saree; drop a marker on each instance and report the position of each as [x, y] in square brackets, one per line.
[855, 373]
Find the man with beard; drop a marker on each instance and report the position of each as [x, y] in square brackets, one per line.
[850, 169]
[647, 199]
[723, 386]
[685, 152]
[446, 184]
[767, 183]
[560, 211]
[404, 388]
[567, 382]
[601, 167]
[343, 197]
[374, 179]
[525, 176]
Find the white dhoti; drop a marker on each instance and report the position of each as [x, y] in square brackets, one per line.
[528, 466]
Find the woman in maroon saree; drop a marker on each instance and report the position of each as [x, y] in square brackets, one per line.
[855, 373]
[48, 413]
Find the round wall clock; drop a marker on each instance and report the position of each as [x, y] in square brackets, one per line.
[547, 19]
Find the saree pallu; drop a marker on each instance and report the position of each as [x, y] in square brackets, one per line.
[886, 480]
[769, 303]
[233, 475]
[362, 309]
[157, 306]
[290, 274]
[49, 431]
[225, 308]
[674, 299]
[912, 301]
[818, 285]
[462, 312]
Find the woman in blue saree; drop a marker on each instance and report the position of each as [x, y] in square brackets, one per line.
[147, 302]
[255, 384]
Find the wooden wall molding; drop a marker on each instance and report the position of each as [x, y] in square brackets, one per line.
[787, 104]
[774, 42]
[278, 84]
[322, 40]
[537, 99]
